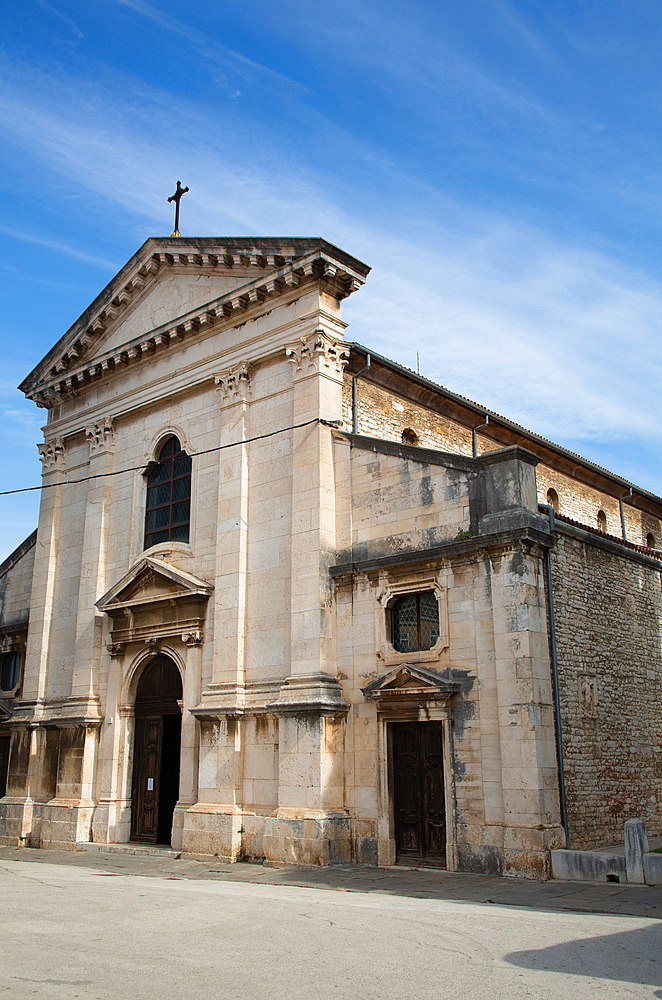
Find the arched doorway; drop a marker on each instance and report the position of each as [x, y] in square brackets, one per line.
[156, 748]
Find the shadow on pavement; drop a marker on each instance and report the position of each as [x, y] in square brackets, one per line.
[633, 956]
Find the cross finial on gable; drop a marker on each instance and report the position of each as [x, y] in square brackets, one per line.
[177, 197]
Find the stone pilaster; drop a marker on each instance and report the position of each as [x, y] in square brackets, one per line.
[101, 440]
[311, 824]
[531, 817]
[317, 362]
[234, 389]
[211, 813]
[53, 459]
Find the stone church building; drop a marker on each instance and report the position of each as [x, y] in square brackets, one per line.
[288, 600]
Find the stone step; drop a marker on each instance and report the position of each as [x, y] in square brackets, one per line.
[147, 850]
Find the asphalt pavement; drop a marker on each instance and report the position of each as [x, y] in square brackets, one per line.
[103, 925]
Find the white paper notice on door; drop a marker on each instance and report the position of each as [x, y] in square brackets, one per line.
[150, 784]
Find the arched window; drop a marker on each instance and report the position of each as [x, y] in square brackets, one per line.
[553, 500]
[168, 510]
[409, 436]
[602, 521]
[415, 622]
[650, 540]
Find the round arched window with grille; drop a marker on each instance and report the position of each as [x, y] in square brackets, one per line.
[168, 508]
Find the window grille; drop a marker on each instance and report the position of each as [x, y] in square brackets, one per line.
[415, 622]
[168, 510]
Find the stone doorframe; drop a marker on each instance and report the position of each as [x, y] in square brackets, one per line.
[112, 823]
[410, 693]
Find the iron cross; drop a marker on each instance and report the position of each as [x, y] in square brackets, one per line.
[176, 197]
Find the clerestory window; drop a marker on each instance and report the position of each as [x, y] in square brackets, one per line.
[9, 670]
[168, 510]
[415, 622]
[553, 499]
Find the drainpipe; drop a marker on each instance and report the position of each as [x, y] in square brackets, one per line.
[622, 510]
[555, 679]
[355, 397]
[474, 434]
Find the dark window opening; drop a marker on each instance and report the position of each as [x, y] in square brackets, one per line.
[409, 436]
[650, 540]
[415, 622]
[553, 500]
[9, 671]
[602, 521]
[168, 509]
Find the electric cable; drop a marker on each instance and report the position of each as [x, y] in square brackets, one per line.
[335, 424]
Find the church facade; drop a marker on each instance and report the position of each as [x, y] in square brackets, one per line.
[289, 600]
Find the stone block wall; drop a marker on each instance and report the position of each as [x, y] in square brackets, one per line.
[383, 414]
[608, 609]
[16, 583]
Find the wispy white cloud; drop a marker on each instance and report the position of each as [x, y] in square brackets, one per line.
[562, 340]
[73, 27]
[50, 244]
[246, 68]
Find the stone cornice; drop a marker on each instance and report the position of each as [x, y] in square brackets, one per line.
[188, 378]
[64, 372]
[449, 550]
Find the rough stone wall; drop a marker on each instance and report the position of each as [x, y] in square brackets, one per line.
[384, 415]
[16, 583]
[608, 612]
[582, 503]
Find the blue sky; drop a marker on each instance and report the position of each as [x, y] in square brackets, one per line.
[497, 164]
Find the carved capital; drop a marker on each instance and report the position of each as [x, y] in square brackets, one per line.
[52, 454]
[234, 384]
[318, 354]
[101, 435]
[192, 638]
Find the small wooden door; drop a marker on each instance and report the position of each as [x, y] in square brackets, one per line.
[146, 774]
[156, 752]
[418, 792]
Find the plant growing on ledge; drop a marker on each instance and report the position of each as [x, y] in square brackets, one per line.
[463, 534]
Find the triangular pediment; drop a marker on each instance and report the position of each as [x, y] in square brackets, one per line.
[175, 288]
[408, 679]
[152, 581]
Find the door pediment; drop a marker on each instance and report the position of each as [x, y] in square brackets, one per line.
[155, 600]
[410, 682]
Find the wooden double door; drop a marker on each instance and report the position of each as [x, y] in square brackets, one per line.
[156, 752]
[419, 802]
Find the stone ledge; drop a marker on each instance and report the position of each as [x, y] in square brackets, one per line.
[598, 866]
[449, 549]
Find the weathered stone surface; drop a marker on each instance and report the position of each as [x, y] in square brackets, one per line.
[609, 639]
[587, 866]
[636, 845]
[276, 611]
